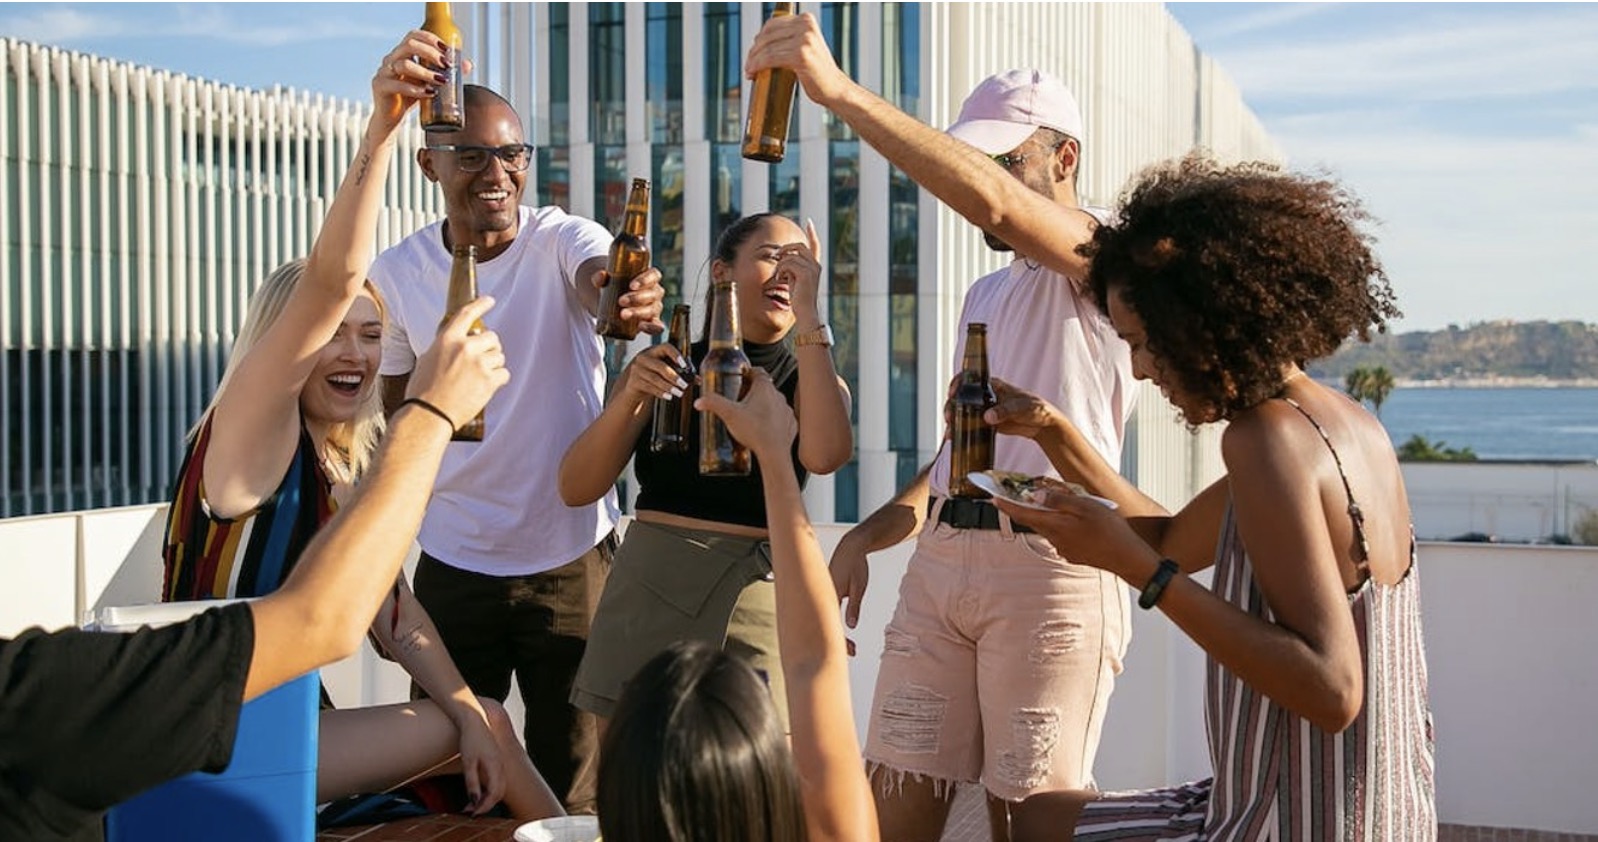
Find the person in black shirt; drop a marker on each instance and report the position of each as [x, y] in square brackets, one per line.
[696, 560]
[89, 719]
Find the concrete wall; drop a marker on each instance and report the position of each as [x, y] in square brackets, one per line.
[1513, 501]
[1509, 631]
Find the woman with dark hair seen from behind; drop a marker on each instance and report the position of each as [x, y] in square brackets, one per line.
[293, 422]
[695, 750]
[1226, 281]
[693, 565]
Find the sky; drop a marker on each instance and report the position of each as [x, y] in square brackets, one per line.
[1470, 130]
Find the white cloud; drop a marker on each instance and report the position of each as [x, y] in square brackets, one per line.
[260, 26]
[1261, 20]
[1471, 228]
[1553, 51]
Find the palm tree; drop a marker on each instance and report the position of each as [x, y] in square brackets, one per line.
[1370, 383]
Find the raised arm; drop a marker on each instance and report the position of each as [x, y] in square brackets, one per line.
[596, 458]
[826, 440]
[256, 412]
[837, 798]
[960, 175]
[322, 611]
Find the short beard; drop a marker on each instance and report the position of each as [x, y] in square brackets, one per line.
[995, 243]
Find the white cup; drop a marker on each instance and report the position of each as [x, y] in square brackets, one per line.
[560, 829]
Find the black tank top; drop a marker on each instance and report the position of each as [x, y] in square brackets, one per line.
[670, 482]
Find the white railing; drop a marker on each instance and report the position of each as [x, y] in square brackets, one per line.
[1509, 634]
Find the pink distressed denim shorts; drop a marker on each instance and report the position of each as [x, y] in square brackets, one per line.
[997, 665]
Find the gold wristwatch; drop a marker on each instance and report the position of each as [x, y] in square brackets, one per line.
[820, 336]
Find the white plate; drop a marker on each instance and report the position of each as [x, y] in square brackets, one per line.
[560, 829]
[988, 484]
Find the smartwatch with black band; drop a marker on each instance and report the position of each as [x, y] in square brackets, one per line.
[1156, 586]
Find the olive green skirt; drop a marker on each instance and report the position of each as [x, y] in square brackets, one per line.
[670, 583]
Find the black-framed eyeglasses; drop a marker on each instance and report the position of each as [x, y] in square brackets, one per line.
[514, 157]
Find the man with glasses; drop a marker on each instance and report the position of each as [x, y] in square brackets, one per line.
[999, 660]
[508, 572]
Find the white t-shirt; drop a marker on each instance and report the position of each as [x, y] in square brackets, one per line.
[496, 508]
[1045, 335]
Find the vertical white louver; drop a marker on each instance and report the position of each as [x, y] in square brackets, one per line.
[138, 211]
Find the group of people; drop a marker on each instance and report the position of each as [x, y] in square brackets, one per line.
[656, 691]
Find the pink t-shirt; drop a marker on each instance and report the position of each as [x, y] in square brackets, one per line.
[1045, 335]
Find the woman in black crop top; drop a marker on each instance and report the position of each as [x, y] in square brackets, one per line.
[694, 565]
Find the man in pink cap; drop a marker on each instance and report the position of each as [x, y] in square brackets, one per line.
[1001, 655]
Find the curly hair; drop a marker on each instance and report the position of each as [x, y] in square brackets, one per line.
[1237, 271]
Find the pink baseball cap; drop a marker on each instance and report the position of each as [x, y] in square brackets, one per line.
[1007, 108]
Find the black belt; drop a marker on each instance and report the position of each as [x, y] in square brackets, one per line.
[964, 513]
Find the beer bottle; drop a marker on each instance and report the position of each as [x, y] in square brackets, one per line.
[674, 416]
[445, 111]
[721, 372]
[770, 107]
[970, 438]
[462, 289]
[629, 256]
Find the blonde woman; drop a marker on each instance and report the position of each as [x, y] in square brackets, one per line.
[294, 421]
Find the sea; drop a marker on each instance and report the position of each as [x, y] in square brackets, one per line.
[1552, 423]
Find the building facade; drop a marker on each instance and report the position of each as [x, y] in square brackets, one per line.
[613, 91]
[138, 211]
[140, 208]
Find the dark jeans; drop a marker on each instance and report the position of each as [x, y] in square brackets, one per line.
[537, 627]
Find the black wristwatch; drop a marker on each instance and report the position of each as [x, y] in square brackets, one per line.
[1156, 586]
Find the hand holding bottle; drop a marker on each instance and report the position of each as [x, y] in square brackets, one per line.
[762, 420]
[655, 372]
[462, 369]
[406, 77]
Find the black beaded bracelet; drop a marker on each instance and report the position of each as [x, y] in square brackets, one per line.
[1156, 586]
[430, 408]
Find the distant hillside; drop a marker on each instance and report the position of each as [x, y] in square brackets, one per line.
[1491, 350]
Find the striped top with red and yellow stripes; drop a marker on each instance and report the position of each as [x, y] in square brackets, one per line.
[208, 557]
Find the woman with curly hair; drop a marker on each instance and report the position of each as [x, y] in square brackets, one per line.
[1226, 281]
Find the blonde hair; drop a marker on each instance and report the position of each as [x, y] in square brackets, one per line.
[355, 440]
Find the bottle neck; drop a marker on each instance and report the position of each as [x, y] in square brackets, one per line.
[974, 365]
[679, 332]
[723, 317]
[462, 282]
[635, 223]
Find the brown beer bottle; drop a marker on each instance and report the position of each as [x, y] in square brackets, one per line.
[770, 107]
[722, 372]
[629, 256]
[445, 111]
[970, 438]
[462, 289]
[674, 416]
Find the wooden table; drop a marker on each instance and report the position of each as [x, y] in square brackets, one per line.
[427, 829]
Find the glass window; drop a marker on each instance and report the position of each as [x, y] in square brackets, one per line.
[607, 72]
[840, 23]
[723, 73]
[554, 177]
[559, 69]
[611, 183]
[784, 190]
[726, 186]
[665, 222]
[664, 77]
[901, 82]
[843, 300]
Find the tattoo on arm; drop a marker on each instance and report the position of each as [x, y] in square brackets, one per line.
[411, 640]
[360, 173]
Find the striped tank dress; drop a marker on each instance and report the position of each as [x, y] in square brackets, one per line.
[208, 557]
[1279, 778]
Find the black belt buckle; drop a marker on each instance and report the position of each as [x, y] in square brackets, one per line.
[965, 513]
